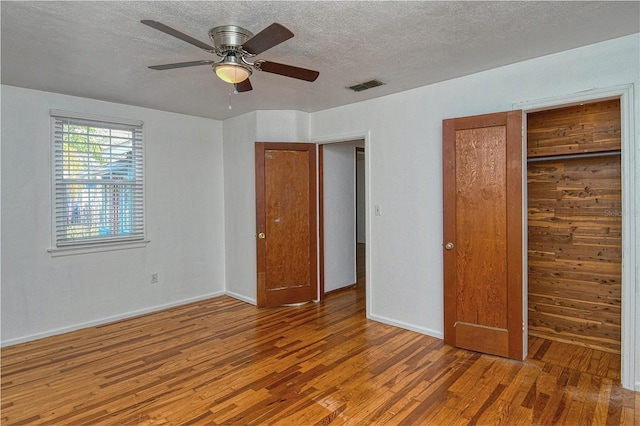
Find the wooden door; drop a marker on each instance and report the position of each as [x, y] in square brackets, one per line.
[483, 233]
[286, 223]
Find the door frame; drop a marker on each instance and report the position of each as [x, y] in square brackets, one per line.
[366, 136]
[321, 215]
[630, 240]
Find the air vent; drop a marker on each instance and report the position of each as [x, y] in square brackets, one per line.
[366, 85]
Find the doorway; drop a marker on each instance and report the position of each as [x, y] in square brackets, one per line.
[624, 93]
[574, 196]
[342, 216]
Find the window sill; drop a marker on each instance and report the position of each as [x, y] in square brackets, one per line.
[96, 248]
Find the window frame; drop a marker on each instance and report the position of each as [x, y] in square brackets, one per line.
[98, 244]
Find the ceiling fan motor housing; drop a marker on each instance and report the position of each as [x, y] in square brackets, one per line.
[229, 37]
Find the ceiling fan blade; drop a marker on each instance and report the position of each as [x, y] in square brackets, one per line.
[175, 33]
[288, 70]
[180, 65]
[271, 36]
[243, 86]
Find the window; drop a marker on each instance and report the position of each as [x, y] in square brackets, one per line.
[98, 192]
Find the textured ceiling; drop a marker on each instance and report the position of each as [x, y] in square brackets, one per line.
[101, 50]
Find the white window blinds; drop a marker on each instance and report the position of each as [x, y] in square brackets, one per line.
[98, 181]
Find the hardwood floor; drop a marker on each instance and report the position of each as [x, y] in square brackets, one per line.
[222, 361]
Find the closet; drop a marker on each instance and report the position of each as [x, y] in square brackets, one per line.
[575, 224]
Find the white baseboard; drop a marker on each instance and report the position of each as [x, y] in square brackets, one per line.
[241, 297]
[407, 326]
[107, 320]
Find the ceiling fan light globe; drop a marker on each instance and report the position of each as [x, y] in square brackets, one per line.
[232, 73]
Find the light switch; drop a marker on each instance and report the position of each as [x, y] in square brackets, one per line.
[378, 210]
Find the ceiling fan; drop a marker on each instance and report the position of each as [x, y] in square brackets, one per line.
[235, 46]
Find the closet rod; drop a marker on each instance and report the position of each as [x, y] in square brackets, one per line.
[571, 156]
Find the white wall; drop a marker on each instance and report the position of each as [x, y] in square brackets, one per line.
[240, 135]
[339, 216]
[44, 295]
[404, 158]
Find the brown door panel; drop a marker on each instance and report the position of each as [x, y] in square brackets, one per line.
[482, 195]
[286, 223]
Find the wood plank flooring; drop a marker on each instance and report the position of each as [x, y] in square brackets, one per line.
[222, 361]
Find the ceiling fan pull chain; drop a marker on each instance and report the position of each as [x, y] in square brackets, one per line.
[229, 96]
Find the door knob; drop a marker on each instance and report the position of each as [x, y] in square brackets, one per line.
[261, 235]
[448, 246]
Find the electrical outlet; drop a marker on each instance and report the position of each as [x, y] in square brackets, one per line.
[154, 278]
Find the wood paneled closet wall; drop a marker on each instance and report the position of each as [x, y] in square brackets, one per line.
[575, 223]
